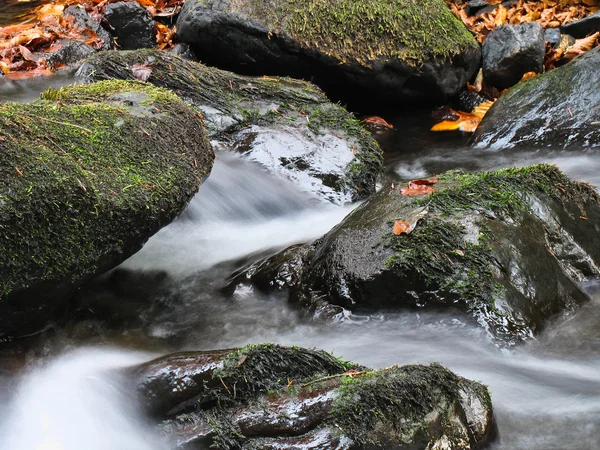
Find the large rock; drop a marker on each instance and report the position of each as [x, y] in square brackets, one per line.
[510, 248]
[89, 173]
[273, 397]
[559, 109]
[288, 126]
[389, 50]
[510, 51]
[82, 19]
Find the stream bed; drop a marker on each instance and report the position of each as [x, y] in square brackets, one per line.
[64, 393]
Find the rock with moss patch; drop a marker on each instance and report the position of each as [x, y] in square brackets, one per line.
[288, 126]
[89, 173]
[559, 109]
[271, 397]
[389, 50]
[508, 247]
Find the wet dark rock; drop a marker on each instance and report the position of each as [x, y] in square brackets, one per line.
[83, 20]
[379, 51]
[475, 5]
[552, 36]
[88, 175]
[583, 27]
[71, 52]
[508, 248]
[131, 25]
[269, 396]
[510, 51]
[286, 125]
[559, 109]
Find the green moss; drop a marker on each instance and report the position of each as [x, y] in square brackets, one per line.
[394, 401]
[250, 101]
[364, 31]
[83, 165]
[441, 254]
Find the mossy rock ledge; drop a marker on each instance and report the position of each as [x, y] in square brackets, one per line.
[88, 174]
[387, 50]
[507, 248]
[268, 396]
[558, 109]
[287, 126]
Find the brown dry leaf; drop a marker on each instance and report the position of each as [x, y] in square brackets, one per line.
[401, 227]
[501, 15]
[406, 227]
[482, 109]
[581, 46]
[376, 122]
[141, 71]
[419, 187]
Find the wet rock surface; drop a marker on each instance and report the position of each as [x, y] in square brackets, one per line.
[389, 51]
[287, 126]
[583, 27]
[559, 109]
[509, 248]
[83, 20]
[131, 25]
[510, 51]
[269, 396]
[89, 174]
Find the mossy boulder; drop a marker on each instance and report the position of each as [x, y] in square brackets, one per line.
[558, 109]
[89, 173]
[288, 126]
[385, 50]
[509, 248]
[270, 397]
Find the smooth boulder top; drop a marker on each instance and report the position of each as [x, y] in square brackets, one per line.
[559, 109]
[89, 173]
[391, 49]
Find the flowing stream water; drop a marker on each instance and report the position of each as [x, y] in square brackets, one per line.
[66, 393]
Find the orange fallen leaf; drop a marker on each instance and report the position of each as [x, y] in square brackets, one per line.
[406, 227]
[419, 187]
[528, 75]
[581, 46]
[376, 122]
[401, 227]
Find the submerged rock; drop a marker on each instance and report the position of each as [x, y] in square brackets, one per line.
[508, 247]
[389, 50]
[288, 126]
[89, 173]
[273, 397]
[559, 109]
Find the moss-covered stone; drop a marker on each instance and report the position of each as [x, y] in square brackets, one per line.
[323, 140]
[509, 247]
[378, 45]
[269, 396]
[88, 174]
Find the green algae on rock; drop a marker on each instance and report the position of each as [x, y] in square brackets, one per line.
[89, 173]
[269, 396]
[393, 48]
[508, 247]
[286, 125]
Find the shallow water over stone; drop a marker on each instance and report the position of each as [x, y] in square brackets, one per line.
[63, 394]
